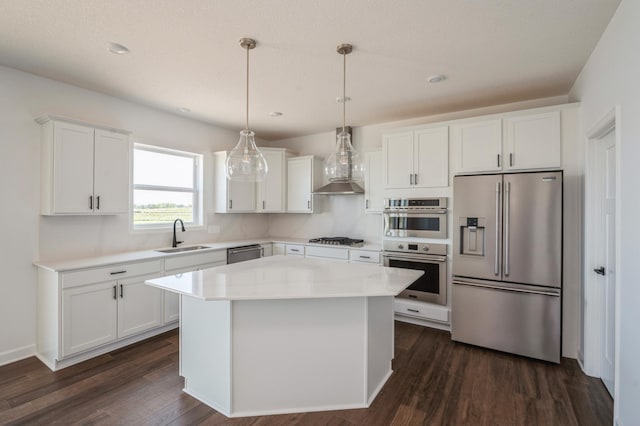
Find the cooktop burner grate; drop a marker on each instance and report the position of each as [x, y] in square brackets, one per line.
[338, 241]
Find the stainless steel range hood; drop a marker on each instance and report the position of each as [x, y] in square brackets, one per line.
[340, 188]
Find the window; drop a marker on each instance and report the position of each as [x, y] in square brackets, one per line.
[166, 187]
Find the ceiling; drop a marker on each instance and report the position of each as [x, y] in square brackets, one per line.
[185, 54]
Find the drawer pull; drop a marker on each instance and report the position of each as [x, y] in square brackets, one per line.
[413, 310]
[118, 272]
[296, 250]
[365, 257]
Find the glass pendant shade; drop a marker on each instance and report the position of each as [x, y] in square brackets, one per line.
[245, 162]
[344, 163]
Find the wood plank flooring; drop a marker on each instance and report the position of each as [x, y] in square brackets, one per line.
[435, 382]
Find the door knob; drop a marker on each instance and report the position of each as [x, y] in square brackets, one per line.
[599, 271]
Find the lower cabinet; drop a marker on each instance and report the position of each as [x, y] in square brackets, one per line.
[139, 306]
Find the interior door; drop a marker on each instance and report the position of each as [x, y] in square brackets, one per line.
[532, 216]
[609, 272]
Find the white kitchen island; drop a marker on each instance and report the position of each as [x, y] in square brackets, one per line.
[284, 334]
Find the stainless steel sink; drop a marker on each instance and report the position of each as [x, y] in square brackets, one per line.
[181, 249]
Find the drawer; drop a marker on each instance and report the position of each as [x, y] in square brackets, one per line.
[194, 260]
[422, 310]
[327, 252]
[108, 273]
[364, 256]
[294, 250]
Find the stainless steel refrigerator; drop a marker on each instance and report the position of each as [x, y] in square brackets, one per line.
[507, 263]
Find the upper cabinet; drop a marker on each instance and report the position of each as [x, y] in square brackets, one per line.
[85, 169]
[232, 196]
[533, 141]
[515, 142]
[373, 197]
[272, 191]
[268, 196]
[416, 159]
[304, 175]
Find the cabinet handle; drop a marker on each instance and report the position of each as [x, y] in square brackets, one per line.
[415, 179]
[121, 291]
[90, 202]
[413, 310]
[498, 160]
[366, 204]
[124, 271]
[511, 159]
[410, 178]
[308, 204]
[115, 294]
[365, 257]
[296, 250]
[264, 203]
[230, 204]
[98, 202]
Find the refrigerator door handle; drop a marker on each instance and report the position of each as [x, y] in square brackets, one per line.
[507, 201]
[515, 290]
[496, 266]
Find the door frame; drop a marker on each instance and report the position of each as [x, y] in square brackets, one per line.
[592, 312]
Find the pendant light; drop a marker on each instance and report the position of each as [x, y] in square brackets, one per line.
[344, 164]
[245, 162]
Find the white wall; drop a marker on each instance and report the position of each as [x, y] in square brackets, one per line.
[610, 79]
[26, 236]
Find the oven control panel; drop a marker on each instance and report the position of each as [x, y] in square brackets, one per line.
[415, 247]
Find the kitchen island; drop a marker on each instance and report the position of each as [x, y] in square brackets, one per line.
[285, 334]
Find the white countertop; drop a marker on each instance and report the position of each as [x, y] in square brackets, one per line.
[142, 255]
[289, 277]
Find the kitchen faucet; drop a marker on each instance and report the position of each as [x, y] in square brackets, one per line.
[175, 241]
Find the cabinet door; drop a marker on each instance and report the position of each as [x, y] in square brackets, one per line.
[139, 306]
[271, 190]
[533, 141]
[431, 155]
[171, 307]
[479, 146]
[373, 197]
[241, 196]
[72, 168]
[278, 249]
[398, 160]
[111, 172]
[299, 184]
[89, 317]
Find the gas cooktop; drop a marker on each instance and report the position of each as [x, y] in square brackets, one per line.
[338, 241]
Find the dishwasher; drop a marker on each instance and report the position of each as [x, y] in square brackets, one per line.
[242, 253]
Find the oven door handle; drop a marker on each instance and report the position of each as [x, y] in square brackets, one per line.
[422, 258]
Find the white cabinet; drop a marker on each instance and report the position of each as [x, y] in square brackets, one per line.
[304, 175]
[364, 256]
[416, 159]
[294, 249]
[333, 253]
[479, 146]
[272, 192]
[278, 249]
[373, 196]
[232, 196]
[89, 317]
[531, 141]
[84, 169]
[139, 306]
[267, 250]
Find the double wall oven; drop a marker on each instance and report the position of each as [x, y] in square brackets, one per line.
[407, 220]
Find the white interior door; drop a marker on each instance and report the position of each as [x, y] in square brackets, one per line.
[608, 146]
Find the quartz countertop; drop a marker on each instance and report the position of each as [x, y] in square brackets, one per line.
[289, 277]
[152, 254]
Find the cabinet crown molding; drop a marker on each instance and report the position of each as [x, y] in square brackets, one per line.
[51, 117]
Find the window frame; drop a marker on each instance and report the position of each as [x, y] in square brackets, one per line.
[197, 190]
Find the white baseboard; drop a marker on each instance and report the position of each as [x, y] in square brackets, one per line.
[423, 322]
[17, 354]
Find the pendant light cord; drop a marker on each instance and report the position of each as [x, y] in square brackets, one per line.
[247, 105]
[344, 89]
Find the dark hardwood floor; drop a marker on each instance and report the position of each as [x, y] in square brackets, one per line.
[435, 382]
